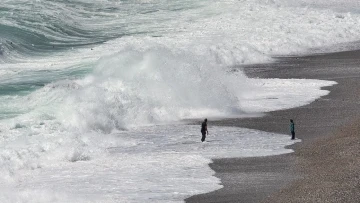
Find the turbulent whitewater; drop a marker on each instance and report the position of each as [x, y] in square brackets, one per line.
[94, 94]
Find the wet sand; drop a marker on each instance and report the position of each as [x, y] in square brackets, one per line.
[325, 166]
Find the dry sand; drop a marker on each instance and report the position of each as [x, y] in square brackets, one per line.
[331, 168]
[325, 166]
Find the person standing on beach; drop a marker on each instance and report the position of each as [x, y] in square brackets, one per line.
[292, 129]
[204, 130]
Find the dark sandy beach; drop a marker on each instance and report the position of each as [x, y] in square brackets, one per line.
[325, 166]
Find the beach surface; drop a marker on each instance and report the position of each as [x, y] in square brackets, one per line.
[325, 166]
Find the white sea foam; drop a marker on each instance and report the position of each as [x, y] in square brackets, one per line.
[228, 32]
[277, 94]
[242, 32]
[134, 88]
[162, 163]
[66, 143]
[53, 152]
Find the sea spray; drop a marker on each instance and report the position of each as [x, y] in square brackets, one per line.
[135, 88]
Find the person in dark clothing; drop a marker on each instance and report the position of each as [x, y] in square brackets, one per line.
[204, 130]
[292, 129]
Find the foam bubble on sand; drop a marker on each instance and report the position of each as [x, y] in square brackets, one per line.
[277, 94]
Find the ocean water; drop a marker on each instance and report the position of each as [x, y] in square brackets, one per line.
[94, 94]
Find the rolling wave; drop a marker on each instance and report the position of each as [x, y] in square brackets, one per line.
[31, 28]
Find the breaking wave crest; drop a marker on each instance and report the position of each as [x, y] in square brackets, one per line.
[133, 88]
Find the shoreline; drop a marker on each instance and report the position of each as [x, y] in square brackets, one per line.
[263, 178]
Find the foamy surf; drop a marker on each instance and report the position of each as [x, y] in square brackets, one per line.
[88, 163]
[160, 163]
[92, 94]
